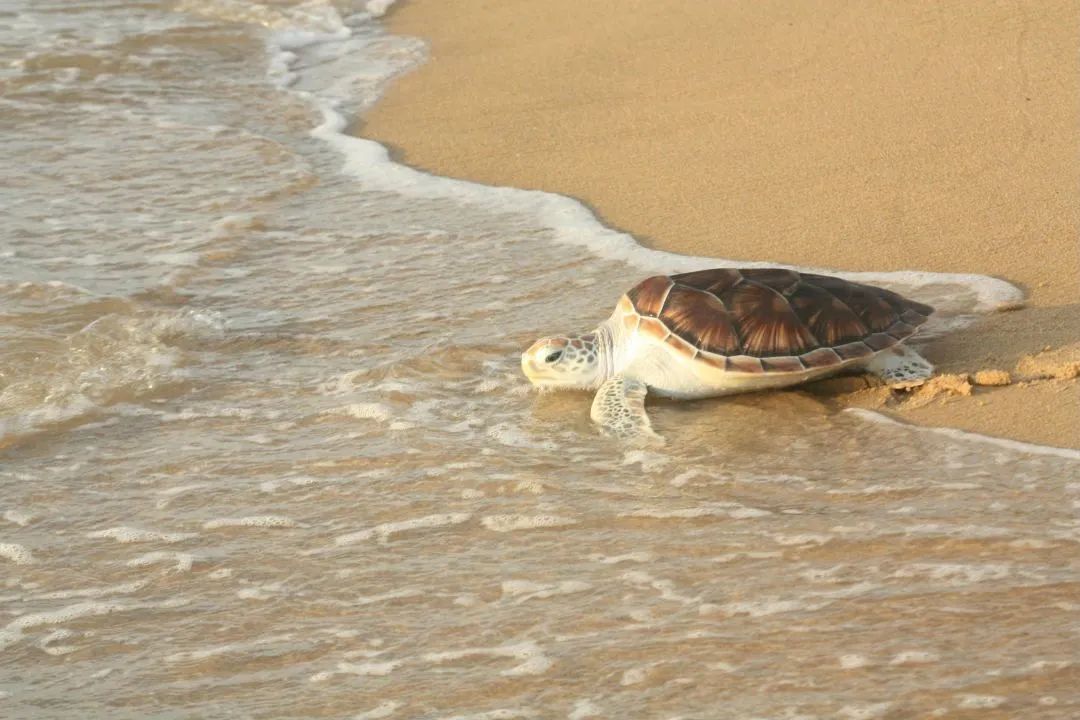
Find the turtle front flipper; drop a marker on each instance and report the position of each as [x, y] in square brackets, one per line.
[901, 367]
[619, 409]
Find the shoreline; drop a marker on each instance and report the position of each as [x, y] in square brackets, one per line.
[956, 156]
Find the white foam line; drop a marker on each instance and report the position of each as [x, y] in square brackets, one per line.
[383, 710]
[94, 592]
[392, 595]
[135, 535]
[362, 669]
[378, 8]
[575, 224]
[523, 590]
[13, 631]
[183, 561]
[509, 523]
[722, 509]
[535, 661]
[17, 554]
[260, 521]
[384, 531]
[22, 519]
[1015, 445]
[572, 222]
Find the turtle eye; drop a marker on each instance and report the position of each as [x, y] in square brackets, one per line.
[553, 357]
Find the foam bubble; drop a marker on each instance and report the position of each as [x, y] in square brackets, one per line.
[522, 590]
[583, 709]
[137, 535]
[853, 661]
[14, 630]
[362, 669]
[260, 592]
[367, 411]
[100, 591]
[634, 676]
[509, 523]
[651, 462]
[17, 554]
[956, 573]
[687, 475]
[203, 654]
[392, 595]
[19, 517]
[259, 521]
[535, 662]
[46, 643]
[168, 494]
[37, 418]
[183, 561]
[914, 657]
[382, 710]
[384, 531]
[1043, 665]
[189, 259]
[666, 587]
[724, 509]
[722, 667]
[296, 481]
[770, 606]
[980, 702]
[378, 8]
[512, 436]
[867, 711]
[801, 539]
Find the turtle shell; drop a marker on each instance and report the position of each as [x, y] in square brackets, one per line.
[772, 320]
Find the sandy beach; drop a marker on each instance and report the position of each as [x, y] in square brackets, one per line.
[266, 448]
[854, 137]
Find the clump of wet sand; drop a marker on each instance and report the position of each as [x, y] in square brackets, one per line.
[868, 391]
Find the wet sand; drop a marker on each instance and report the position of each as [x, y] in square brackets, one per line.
[861, 137]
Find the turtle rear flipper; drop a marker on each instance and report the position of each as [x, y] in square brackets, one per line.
[619, 409]
[901, 367]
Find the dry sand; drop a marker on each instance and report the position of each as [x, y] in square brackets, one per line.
[859, 136]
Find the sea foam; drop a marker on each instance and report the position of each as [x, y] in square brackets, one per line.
[510, 523]
[569, 221]
[384, 531]
[534, 661]
[16, 553]
[137, 535]
[955, 434]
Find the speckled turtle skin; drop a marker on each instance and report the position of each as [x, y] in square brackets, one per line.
[763, 321]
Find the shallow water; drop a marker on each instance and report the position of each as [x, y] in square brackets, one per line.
[266, 450]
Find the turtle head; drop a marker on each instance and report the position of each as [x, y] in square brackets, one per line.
[563, 362]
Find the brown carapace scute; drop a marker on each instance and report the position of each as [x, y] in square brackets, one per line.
[772, 320]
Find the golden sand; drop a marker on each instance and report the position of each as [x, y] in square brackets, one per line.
[860, 136]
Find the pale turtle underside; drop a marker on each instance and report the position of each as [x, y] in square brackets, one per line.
[770, 320]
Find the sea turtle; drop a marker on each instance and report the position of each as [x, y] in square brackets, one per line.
[724, 331]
